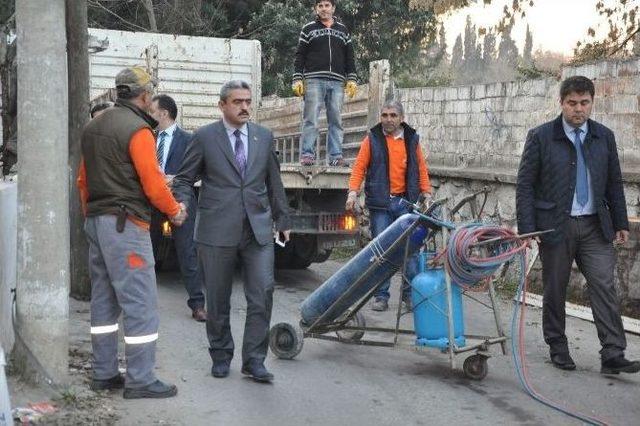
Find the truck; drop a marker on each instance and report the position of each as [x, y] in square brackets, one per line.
[192, 70]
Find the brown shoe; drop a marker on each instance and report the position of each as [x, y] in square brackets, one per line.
[199, 314]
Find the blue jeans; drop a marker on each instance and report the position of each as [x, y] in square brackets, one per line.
[380, 220]
[330, 93]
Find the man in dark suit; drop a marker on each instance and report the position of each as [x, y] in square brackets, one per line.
[240, 206]
[570, 180]
[171, 145]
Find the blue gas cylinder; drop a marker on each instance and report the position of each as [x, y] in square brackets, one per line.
[331, 290]
[430, 307]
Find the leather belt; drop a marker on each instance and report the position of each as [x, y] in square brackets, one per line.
[398, 195]
[583, 216]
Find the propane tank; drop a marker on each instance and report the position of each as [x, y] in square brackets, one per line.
[429, 299]
[330, 291]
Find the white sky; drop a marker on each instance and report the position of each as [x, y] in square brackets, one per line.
[556, 25]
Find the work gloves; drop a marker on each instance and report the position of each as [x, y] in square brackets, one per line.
[352, 199]
[425, 200]
[350, 89]
[298, 88]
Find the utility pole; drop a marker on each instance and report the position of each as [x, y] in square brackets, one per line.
[43, 191]
[78, 66]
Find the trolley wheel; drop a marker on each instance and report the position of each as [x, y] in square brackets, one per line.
[353, 335]
[475, 367]
[285, 340]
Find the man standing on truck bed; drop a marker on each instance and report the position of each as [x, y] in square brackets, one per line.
[324, 61]
[119, 179]
[171, 145]
[391, 163]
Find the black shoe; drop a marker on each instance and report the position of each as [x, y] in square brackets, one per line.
[220, 369]
[619, 365]
[116, 382]
[156, 389]
[406, 301]
[563, 361]
[380, 304]
[256, 370]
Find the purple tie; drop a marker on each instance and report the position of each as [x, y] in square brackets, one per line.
[241, 157]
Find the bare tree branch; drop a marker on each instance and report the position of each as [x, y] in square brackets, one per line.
[97, 4]
[624, 42]
[148, 5]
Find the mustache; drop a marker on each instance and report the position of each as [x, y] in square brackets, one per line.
[244, 112]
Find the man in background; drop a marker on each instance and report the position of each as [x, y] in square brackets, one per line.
[393, 168]
[100, 108]
[171, 145]
[570, 181]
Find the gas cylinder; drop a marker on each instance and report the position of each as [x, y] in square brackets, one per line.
[430, 307]
[386, 264]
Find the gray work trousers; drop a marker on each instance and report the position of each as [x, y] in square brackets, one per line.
[595, 257]
[218, 265]
[122, 280]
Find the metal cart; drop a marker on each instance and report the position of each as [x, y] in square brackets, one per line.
[286, 340]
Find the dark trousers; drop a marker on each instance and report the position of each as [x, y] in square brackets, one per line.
[256, 265]
[188, 258]
[185, 251]
[595, 257]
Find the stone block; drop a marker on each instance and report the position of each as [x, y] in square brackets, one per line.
[479, 91]
[451, 93]
[450, 120]
[462, 107]
[625, 104]
[427, 94]
[462, 119]
[464, 92]
[449, 107]
[439, 94]
[628, 68]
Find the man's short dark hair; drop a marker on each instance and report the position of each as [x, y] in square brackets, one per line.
[333, 2]
[167, 103]
[99, 107]
[576, 84]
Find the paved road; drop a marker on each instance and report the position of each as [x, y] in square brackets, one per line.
[337, 384]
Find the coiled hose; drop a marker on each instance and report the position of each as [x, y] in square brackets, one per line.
[471, 265]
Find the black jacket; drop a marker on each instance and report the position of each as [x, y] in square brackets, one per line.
[377, 185]
[325, 53]
[179, 145]
[547, 179]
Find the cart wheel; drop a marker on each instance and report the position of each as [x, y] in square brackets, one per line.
[285, 340]
[475, 367]
[353, 335]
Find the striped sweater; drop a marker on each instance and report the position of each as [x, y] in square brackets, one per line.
[325, 52]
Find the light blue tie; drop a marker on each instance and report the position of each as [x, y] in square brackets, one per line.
[582, 190]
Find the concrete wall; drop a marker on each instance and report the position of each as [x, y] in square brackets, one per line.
[478, 132]
[8, 233]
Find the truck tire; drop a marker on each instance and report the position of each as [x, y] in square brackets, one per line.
[297, 262]
[299, 253]
[322, 256]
